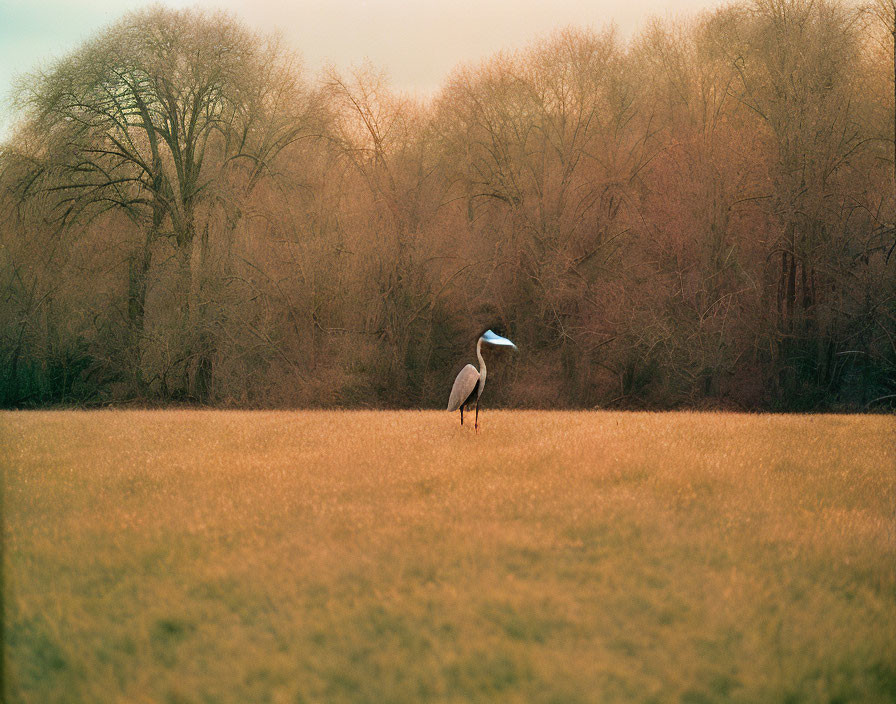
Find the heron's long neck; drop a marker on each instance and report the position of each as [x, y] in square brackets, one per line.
[482, 369]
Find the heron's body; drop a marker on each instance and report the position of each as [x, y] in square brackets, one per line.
[466, 388]
[470, 382]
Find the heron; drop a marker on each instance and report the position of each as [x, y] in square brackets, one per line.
[470, 382]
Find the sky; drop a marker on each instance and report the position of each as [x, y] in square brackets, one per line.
[417, 42]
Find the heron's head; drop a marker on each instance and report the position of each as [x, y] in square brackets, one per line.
[489, 337]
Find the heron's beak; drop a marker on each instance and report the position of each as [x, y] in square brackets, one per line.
[496, 340]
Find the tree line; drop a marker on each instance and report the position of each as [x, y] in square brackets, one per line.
[702, 216]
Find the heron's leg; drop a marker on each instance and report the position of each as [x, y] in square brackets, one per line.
[461, 415]
[476, 424]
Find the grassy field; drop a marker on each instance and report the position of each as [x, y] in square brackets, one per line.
[192, 556]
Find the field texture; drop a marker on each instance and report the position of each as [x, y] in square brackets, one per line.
[394, 557]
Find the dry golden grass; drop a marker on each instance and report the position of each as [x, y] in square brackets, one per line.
[394, 557]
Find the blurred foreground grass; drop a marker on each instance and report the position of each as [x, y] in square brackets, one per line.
[193, 556]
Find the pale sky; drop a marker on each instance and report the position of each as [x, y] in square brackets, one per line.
[416, 43]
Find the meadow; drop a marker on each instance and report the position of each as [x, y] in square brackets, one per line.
[213, 556]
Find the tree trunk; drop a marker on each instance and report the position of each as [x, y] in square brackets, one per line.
[790, 296]
[781, 288]
[197, 347]
[138, 271]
